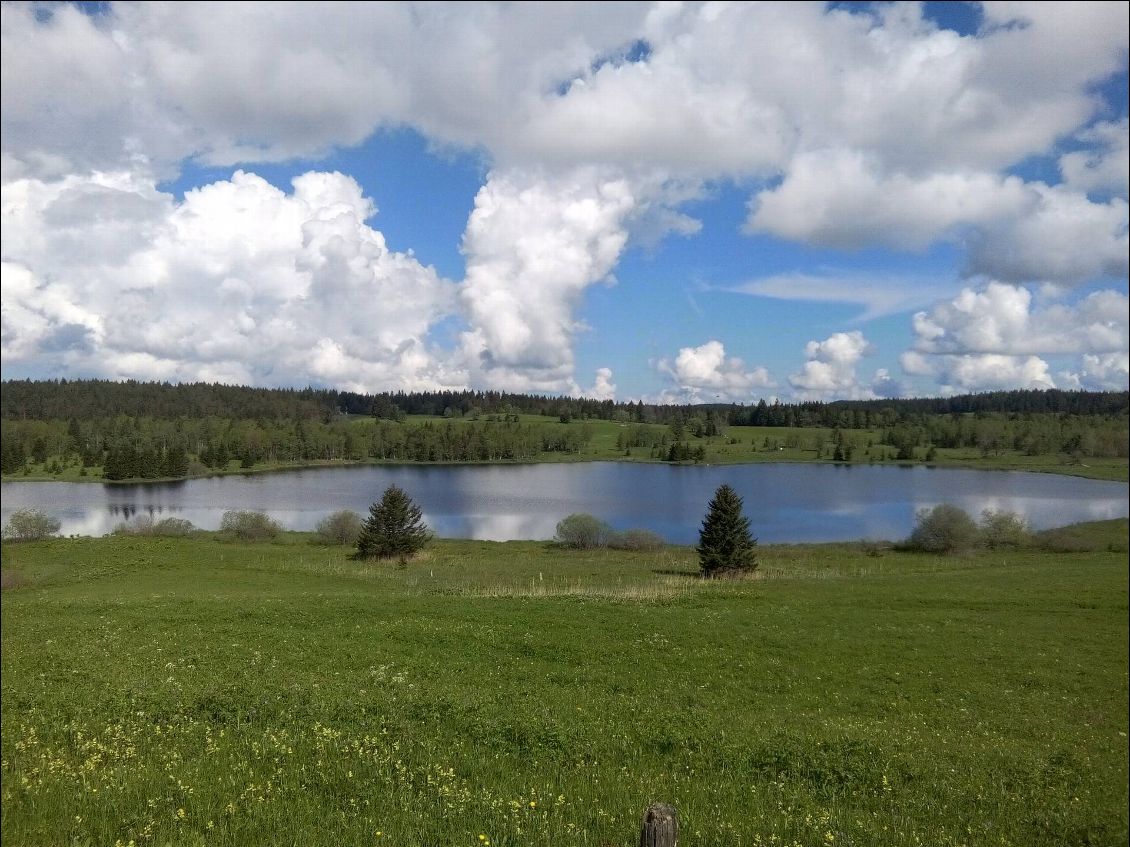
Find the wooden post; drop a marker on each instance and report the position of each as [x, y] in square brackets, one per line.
[660, 827]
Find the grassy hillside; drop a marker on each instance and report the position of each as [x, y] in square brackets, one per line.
[193, 691]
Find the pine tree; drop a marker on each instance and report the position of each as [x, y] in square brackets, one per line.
[725, 545]
[394, 528]
[176, 462]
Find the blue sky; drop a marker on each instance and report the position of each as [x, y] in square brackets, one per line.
[682, 204]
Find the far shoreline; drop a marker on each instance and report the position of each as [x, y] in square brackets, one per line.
[1110, 472]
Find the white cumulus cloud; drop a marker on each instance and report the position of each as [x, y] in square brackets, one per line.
[849, 129]
[830, 370]
[603, 388]
[990, 372]
[995, 338]
[239, 282]
[707, 374]
[1110, 372]
[840, 198]
[1006, 319]
[533, 244]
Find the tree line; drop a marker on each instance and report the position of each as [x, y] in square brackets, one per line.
[136, 430]
[90, 399]
[154, 448]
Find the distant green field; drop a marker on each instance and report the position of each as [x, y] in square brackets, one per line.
[195, 691]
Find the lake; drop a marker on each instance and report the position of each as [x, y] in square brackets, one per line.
[785, 502]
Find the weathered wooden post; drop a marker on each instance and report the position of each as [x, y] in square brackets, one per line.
[660, 827]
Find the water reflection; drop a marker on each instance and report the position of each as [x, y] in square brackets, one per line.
[786, 502]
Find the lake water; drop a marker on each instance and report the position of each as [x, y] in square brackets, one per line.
[785, 502]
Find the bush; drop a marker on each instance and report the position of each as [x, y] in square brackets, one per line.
[249, 526]
[1003, 529]
[174, 527]
[583, 532]
[166, 527]
[395, 528]
[943, 529]
[30, 525]
[636, 539]
[339, 528]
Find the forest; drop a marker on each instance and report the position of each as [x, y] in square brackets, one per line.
[92, 399]
[134, 430]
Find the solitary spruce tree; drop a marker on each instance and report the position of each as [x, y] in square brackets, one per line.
[394, 528]
[725, 545]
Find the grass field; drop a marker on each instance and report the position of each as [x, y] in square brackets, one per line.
[196, 691]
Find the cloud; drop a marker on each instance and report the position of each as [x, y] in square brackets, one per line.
[1063, 238]
[604, 388]
[960, 374]
[155, 83]
[850, 129]
[723, 91]
[1106, 166]
[1016, 231]
[707, 374]
[1005, 319]
[533, 243]
[240, 282]
[1110, 372]
[829, 372]
[841, 198]
[994, 338]
[884, 385]
[879, 294]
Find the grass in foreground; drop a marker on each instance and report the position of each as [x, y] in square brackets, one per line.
[192, 691]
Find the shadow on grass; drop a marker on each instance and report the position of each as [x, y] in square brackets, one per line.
[676, 572]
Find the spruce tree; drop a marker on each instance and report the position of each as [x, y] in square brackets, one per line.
[394, 528]
[725, 545]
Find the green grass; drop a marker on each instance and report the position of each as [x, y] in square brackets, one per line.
[193, 691]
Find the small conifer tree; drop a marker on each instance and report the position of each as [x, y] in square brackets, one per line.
[725, 545]
[394, 528]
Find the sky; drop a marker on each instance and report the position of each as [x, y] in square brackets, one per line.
[673, 202]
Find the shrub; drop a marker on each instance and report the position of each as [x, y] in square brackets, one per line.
[583, 532]
[166, 527]
[1003, 529]
[174, 527]
[725, 545]
[636, 539]
[249, 526]
[339, 528]
[394, 528]
[30, 525]
[943, 529]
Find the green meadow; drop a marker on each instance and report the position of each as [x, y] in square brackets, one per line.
[199, 691]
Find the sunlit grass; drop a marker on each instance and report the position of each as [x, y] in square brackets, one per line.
[195, 691]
